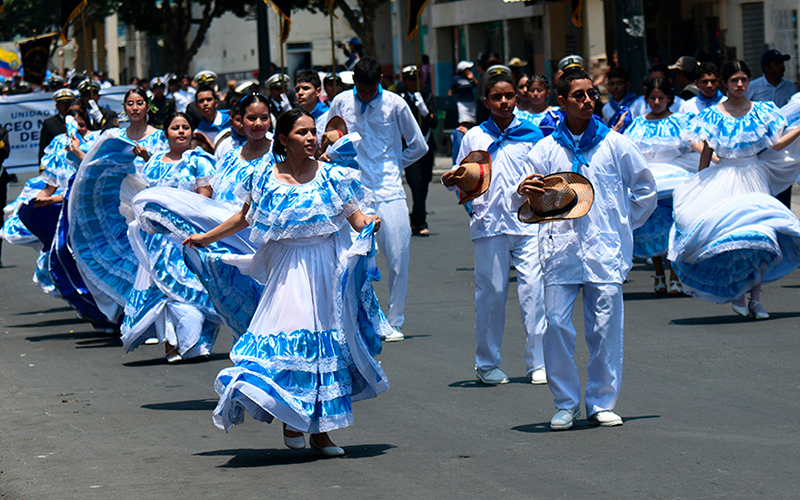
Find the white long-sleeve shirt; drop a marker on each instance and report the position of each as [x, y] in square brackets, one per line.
[490, 213]
[598, 247]
[383, 124]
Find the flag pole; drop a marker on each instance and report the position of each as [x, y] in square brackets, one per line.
[87, 53]
[283, 71]
[333, 46]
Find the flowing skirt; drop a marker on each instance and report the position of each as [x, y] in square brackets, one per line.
[730, 234]
[14, 231]
[309, 349]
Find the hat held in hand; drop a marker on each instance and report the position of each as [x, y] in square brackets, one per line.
[473, 175]
[567, 195]
[334, 130]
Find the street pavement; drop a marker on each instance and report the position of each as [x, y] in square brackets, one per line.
[710, 403]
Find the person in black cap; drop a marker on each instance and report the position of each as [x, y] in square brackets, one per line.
[101, 118]
[772, 86]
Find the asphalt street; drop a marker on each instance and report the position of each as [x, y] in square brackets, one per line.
[710, 403]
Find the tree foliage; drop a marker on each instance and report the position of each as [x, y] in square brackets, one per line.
[360, 18]
[25, 18]
[174, 20]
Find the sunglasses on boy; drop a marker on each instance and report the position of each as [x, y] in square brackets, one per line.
[581, 96]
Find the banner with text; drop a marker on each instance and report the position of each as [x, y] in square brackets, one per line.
[22, 115]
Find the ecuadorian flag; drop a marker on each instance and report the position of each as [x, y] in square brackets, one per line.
[9, 63]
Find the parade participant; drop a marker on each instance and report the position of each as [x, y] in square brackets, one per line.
[685, 69]
[100, 118]
[516, 65]
[354, 52]
[499, 238]
[5, 150]
[161, 106]
[590, 253]
[640, 106]
[167, 301]
[278, 100]
[671, 161]
[100, 202]
[708, 84]
[234, 136]
[215, 121]
[420, 173]
[621, 98]
[538, 90]
[184, 95]
[731, 236]
[463, 89]
[333, 86]
[391, 140]
[303, 361]
[55, 125]
[772, 86]
[307, 87]
[523, 98]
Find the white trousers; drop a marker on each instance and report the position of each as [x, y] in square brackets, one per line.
[394, 241]
[493, 258]
[603, 317]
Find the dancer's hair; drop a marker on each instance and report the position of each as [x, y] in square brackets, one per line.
[284, 127]
[661, 84]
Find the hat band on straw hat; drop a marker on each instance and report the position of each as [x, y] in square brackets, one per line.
[558, 211]
[479, 185]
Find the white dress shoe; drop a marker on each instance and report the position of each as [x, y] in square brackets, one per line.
[539, 376]
[563, 419]
[328, 451]
[493, 376]
[605, 418]
[740, 310]
[395, 336]
[294, 443]
[756, 310]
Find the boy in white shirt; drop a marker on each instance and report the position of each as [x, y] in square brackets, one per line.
[500, 238]
[592, 253]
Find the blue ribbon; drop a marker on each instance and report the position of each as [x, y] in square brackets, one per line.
[595, 132]
[522, 131]
[626, 101]
[710, 101]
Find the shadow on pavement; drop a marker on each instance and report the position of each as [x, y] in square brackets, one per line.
[245, 458]
[84, 340]
[471, 384]
[729, 319]
[191, 405]
[162, 361]
[46, 311]
[51, 322]
[580, 425]
[631, 296]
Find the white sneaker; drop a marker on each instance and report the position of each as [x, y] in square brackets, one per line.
[151, 341]
[493, 376]
[395, 336]
[539, 376]
[563, 419]
[605, 418]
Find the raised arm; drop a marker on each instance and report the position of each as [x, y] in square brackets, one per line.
[233, 225]
[787, 138]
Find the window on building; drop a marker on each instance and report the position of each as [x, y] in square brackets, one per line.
[753, 35]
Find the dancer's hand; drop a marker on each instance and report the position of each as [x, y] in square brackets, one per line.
[447, 178]
[196, 240]
[376, 220]
[141, 152]
[532, 184]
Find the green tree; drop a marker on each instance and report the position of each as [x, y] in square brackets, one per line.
[361, 18]
[173, 21]
[25, 18]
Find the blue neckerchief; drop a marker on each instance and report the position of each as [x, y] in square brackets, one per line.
[365, 104]
[627, 121]
[595, 132]
[319, 110]
[550, 121]
[710, 101]
[626, 101]
[522, 131]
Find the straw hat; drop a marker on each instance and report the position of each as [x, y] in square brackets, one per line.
[567, 195]
[516, 62]
[335, 129]
[473, 175]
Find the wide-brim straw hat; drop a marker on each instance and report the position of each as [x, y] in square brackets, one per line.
[568, 195]
[473, 175]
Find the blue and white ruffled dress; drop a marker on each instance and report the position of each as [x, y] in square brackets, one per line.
[99, 212]
[308, 351]
[671, 162]
[182, 213]
[730, 233]
[168, 302]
